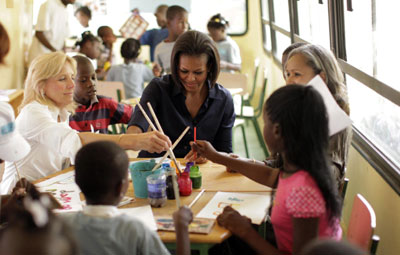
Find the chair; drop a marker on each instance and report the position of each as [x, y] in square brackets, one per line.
[362, 224]
[240, 123]
[252, 114]
[248, 97]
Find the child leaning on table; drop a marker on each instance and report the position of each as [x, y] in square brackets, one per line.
[307, 204]
[101, 172]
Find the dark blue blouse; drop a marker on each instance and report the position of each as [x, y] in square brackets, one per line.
[214, 121]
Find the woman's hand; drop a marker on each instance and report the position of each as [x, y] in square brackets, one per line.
[199, 160]
[152, 141]
[204, 149]
[234, 222]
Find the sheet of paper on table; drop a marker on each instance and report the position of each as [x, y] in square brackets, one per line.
[142, 213]
[253, 206]
[198, 225]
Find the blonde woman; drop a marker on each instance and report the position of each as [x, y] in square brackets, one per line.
[43, 122]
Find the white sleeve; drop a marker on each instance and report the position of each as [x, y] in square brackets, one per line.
[36, 124]
[43, 19]
[235, 53]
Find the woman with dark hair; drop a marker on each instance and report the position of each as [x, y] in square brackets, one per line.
[190, 96]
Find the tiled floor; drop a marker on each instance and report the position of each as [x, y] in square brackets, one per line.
[253, 144]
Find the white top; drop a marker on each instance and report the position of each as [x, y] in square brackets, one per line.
[132, 76]
[52, 143]
[162, 55]
[53, 21]
[229, 51]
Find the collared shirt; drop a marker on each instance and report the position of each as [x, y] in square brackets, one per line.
[53, 21]
[52, 143]
[99, 114]
[105, 211]
[101, 229]
[214, 121]
[133, 76]
[152, 38]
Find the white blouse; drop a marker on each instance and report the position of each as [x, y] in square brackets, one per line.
[52, 143]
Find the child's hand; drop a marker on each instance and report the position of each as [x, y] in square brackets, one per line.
[234, 222]
[230, 170]
[204, 149]
[24, 187]
[190, 158]
[157, 70]
[182, 218]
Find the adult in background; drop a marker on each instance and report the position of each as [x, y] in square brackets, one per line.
[51, 28]
[189, 96]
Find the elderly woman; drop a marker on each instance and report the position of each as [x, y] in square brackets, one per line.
[307, 61]
[189, 96]
[43, 122]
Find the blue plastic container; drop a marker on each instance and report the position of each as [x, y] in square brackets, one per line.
[139, 171]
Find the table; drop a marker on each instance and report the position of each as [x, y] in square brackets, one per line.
[215, 178]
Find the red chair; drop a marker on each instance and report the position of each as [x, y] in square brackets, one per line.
[362, 224]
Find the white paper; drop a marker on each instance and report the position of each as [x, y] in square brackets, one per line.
[67, 177]
[142, 213]
[67, 194]
[338, 119]
[251, 205]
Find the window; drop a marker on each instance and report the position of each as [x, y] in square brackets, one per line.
[314, 22]
[281, 10]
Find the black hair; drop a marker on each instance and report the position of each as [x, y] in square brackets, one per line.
[99, 168]
[217, 22]
[4, 42]
[301, 114]
[85, 10]
[32, 219]
[87, 36]
[130, 48]
[195, 43]
[81, 60]
[175, 10]
[102, 30]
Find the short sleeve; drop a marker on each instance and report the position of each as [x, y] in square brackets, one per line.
[43, 19]
[305, 202]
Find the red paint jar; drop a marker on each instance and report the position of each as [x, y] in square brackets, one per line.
[185, 184]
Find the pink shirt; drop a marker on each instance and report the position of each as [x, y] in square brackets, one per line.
[298, 196]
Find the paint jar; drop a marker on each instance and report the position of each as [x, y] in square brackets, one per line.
[139, 171]
[195, 176]
[188, 166]
[185, 184]
[156, 188]
[170, 185]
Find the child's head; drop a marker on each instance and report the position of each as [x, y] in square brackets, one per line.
[130, 49]
[89, 45]
[177, 20]
[4, 43]
[107, 35]
[309, 60]
[161, 15]
[286, 53]
[85, 80]
[33, 229]
[296, 127]
[84, 15]
[101, 172]
[217, 26]
[331, 247]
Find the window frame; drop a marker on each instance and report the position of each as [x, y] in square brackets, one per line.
[385, 167]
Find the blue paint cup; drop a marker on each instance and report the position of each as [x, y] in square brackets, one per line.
[139, 171]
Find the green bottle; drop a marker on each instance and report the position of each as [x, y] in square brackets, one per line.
[195, 176]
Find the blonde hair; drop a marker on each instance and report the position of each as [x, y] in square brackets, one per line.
[41, 69]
